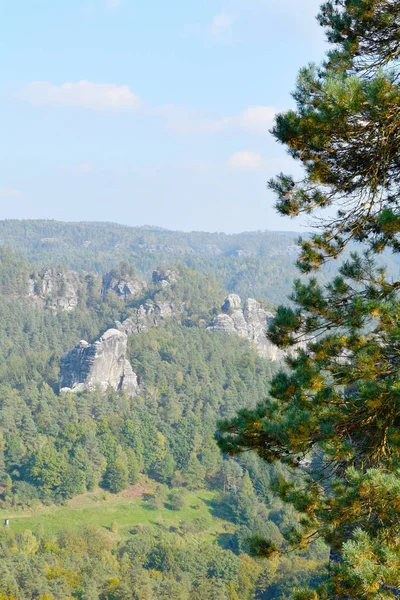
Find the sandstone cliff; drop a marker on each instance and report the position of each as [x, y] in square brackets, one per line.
[55, 289]
[103, 364]
[250, 321]
[123, 286]
[153, 312]
[58, 289]
[99, 365]
[165, 278]
[149, 315]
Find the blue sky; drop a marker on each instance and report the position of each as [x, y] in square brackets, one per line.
[149, 112]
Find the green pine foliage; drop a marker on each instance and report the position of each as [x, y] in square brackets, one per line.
[334, 417]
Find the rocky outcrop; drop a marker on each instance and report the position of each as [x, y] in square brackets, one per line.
[232, 302]
[165, 278]
[103, 364]
[123, 286]
[100, 365]
[251, 322]
[152, 313]
[60, 290]
[148, 316]
[55, 289]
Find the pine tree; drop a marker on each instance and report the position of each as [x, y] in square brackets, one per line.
[246, 486]
[341, 398]
[166, 469]
[116, 477]
[47, 467]
[133, 466]
[194, 473]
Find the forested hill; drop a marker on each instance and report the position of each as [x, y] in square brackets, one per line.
[256, 264]
[58, 447]
[94, 445]
[39, 235]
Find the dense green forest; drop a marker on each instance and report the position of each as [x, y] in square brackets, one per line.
[148, 448]
[256, 264]
[54, 447]
[158, 446]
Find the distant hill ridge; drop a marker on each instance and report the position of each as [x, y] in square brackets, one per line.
[253, 264]
[34, 234]
[258, 264]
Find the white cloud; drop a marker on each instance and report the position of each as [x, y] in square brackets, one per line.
[183, 121]
[221, 23]
[113, 4]
[245, 161]
[6, 192]
[257, 118]
[83, 94]
[179, 120]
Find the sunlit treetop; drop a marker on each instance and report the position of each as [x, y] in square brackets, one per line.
[366, 32]
[345, 132]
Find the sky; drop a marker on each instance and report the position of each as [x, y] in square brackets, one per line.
[149, 112]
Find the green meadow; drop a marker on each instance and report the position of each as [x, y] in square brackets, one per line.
[122, 510]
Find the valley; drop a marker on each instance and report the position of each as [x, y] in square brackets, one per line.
[112, 385]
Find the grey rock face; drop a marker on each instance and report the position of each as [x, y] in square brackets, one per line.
[223, 323]
[165, 278]
[57, 290]
[251, 322]
[100, 365]
[145, 317]
[60, 290]
[151, 313]
[232, 302]
[123, 286]
[258, 321]
[148, 316]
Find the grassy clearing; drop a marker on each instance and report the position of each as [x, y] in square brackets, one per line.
[127, 510]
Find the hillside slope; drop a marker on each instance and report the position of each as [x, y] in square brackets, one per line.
[258, 264]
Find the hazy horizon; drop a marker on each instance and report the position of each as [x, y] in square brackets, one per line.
[153, 227]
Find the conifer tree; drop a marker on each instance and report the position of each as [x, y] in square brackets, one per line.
[340, 402]
[116, 477]
[194, 473]
[133, 466]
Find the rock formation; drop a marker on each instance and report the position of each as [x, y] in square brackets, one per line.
[104, 364]
[152, 313]
[148, 316]
[123, 286]
[57, 290]
[60, 290]
[99, 365]
[250, 322]
[165, 278]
